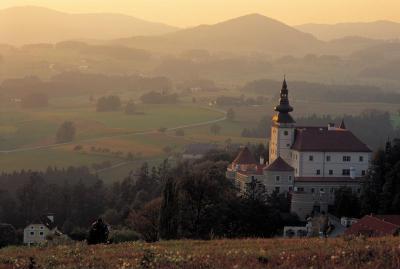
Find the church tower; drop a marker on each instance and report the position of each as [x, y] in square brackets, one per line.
[282, 130]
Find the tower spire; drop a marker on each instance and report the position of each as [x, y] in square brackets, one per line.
[284, 106]
[284, 85]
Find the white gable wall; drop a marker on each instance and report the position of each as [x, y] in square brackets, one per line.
[305, 167]
[35, 234]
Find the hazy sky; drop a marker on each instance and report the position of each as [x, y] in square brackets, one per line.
[194, 12]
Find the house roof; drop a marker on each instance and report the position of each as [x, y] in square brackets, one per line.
[379, 225]
[44, 220]
[324, 140]
[279, 165]
[196, 149]
[244, 157]
[256, 170]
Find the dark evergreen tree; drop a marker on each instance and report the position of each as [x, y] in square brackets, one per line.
[169, 213]
[66, 132]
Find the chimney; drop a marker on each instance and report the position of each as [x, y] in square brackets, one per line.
[331, 126]
[261, 160]
[50, 216]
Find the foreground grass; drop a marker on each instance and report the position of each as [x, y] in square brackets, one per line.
[252, 253]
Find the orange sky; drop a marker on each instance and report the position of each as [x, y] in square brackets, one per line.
[193, 12]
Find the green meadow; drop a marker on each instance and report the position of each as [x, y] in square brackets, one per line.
[27, 137]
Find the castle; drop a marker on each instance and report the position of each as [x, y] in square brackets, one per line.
[307, 163]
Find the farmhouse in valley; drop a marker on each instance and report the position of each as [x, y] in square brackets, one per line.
[307, 163]
[37, 231]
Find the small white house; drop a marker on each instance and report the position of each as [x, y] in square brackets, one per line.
[37, 231]
[347, 222]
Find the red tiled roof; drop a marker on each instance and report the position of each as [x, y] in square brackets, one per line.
[244, 157]
[279, 165]
[395, 219]
[322, 139]
[328, 179]
[374, 226]
[254, 170]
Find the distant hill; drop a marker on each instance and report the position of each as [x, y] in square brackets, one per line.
[373, 30]
[23, 25]
[350, 44]
[250, 33]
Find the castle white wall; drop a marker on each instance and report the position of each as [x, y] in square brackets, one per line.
[329, 161]
[275, 180]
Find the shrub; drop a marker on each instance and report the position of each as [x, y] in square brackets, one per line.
[108, 103]
[78, 148]
[124, 235]
[78, 234]
[130, 108]
[8, 236]
[162, 129]
[66, 132]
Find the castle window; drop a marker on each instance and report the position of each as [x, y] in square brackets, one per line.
[312, 190]
[277, 189]
[311, 158]
[363, 172]
[330, 172]
[32, 233]
[290, 188]
[321, 190]
[41, 233]
[328, 158]
[318, 172]
[277, 178]
[286, 133]
[346, 158]
[346, 172]
[332, 190]
[361, 158]
[300, 189]
[287, 145]
[290, 178]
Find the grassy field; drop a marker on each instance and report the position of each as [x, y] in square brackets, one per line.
[26, 134]
[219, 254]
[27, 137]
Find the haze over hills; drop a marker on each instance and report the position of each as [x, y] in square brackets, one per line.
[249, 33]
[373, 30]
[23, 25]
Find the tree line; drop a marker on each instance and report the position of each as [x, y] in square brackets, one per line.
[189, 200]
[371, 126]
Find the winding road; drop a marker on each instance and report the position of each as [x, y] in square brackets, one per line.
[26, 149]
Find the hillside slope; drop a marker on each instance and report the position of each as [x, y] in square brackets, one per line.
[249, 33]
[249, 253]
[373, 30]
[22, 25]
